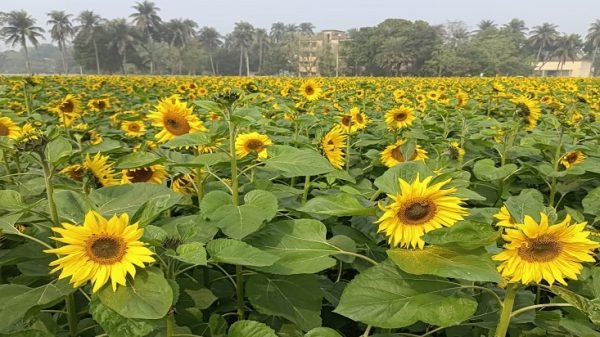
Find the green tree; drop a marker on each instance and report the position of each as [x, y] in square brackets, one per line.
[242, 38]
[178, 34]
[261, 42]
[89, 23]
[122, 38]
[568, 48]
[18, 28]
[210, 39]
[149, 23]
[542, 38]
[62, 29]
[593, 41]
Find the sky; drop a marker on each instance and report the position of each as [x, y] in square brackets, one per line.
[573, 16]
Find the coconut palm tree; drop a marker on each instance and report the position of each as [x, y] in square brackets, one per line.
[178, 33]
[149, 23]
[277, 33]
[210, 39]
[18, 28]
[243, 35]
[89, 23]
[307, 28]
[593, 40]
[261, 39]
[568, 47]
[485, 26]
[542, 37]
[62, 29]
[122, 37]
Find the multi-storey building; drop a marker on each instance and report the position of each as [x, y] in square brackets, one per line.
[318, 48]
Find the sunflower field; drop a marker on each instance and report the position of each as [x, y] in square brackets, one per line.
[289, 207]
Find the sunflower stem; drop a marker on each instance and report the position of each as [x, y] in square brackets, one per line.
[507, 307]
[348, 151]
[538, 306]
[170, 324]
[7, 166]
[367, 331]
[72, 318]
[557, 156]
[306, 189]
[49, 189]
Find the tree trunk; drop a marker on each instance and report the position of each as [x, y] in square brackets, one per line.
[241, 60]
[26, 57]
[64, 62]
[593, 68]
[150, 51]
[97, 58]
[212, 65]
[537, 58]
[124, 60]
[260, 56]
[180, 60]
[247, 62]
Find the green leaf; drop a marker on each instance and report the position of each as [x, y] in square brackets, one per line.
[7, 224]
[116, 325]
[148, 296]
[528, 202]
[217, 325]
[138, 159]
[486, 170]
[386, 297]
[250, 329]
[129, 198]
[11, 201]
[213, 200]
[238, 221]
[208, 105]
[18, 301]
[300, 245]
[57, 150]
[591, 202]
[464, 234]
[72, 206]
[202, 298]
[322, 332]
[238, 252]
[189, 139]
[408, 171]
[591, 308]
[264, 200]
[191, 253]
[470, 265]
[340, 204]
[297, 298]
[292, 162]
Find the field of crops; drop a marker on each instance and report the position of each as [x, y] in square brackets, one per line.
[265, 207]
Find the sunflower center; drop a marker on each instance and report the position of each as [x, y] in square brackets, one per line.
[254, 145]
[309, 90]
[176, 125]
[105, 249]
[140, 175]
[4, 131]
[359, 118]
[540, 249]
[417, 212]
[397, 154]
[524, 109]
[571, 158]
[67, 106]
[347, 120]
[400, 116]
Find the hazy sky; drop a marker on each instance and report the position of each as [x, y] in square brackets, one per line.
[573, 16]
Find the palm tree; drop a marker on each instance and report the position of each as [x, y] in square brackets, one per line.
[243, 35]
[277, 33]
[61, 30]
[18, 29]
[179, 32]
[593, 39]
[307, 28]
[89, 22]
[543, 37]
[486, 25]
[122, 37]
[261, 38]
[149, 23]
[568, 47]
[210, 40]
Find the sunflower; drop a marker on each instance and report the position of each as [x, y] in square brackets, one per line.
[310, 90]
[456, 151]
[100, 250]
[392, 155]
[183, 183]
[74, 172]
[529, 110]
[9, 129]
[100, 169]
[400, 117]
[154, 174]
[211, 147]
[95, 137]
[461, 98]
[69, 105]
[133, 128]
[333, 144]
[175, 118]
[504, 218]
[353, 121]
[99, 104]
[572, 158]
[252, 142]
[534, 252]
[418, 209]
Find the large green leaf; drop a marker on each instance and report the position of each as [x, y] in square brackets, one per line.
[589, 307]
[300, 244]
[116, 325]
[452, 262]
[238, 252]
[322, 332]
[485, 169]
[11, 201]
[192, 253]
[17, 301]
[189, 139]
[408, 171]
[72, 206]
[129, 198]
[7, 224]
[292, 162]
[528, 202]
[340, 204]
[250, 329]
[384, 296]
[213, 200]
[57, 150]
[148, 296]
[264, 200]
[464, 234]
[591, 202]
[297, 298]
[138, 159]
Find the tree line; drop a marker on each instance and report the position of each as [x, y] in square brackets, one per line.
[145, 43]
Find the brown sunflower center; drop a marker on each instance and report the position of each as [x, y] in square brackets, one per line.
[134, 127]
[254, 145]
[100, 105]
[140, 175]
[397, 154]
[105, 249]
[4, 130]
[417, 212]
[176, 125]
[67, 106]
[524, 109]
[347, 120]
[571, 158]
[541, 249]
[309, 90]
[400, 116]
